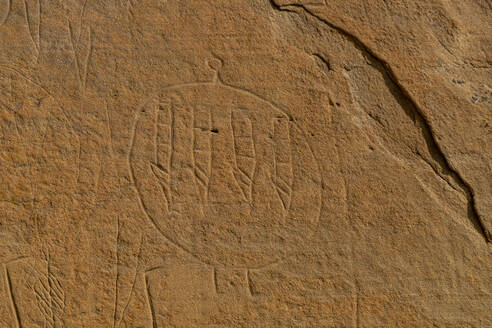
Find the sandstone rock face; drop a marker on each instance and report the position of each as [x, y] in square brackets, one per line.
[246, 163]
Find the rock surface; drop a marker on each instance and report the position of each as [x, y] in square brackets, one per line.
[247, 163]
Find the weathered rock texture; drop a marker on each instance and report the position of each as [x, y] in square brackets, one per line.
[246, 163]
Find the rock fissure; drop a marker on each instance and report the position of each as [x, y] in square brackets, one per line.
[384, 68]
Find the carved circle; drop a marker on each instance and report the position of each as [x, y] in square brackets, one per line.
[225, 174]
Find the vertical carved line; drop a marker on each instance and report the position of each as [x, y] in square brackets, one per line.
[216, 284]
[72, 45]
[87, 57]
[282, 161]
[31, 29]
[237, 170]
[156, 127]
[115, 313]
[172, 144]
[15, 310]
[250, 282]
[162, 149]
[139, 256]
[9, 5]
[202, 149]
[39, 27]
[209, 166]
[193, 157]
[149, 301]
[244, 152]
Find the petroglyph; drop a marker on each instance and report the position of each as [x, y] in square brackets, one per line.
[208, 155]
[266, 163]
[35, 293]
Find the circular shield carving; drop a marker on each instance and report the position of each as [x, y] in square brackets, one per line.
[224, 174]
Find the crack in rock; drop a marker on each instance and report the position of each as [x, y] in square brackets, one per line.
[386, 69]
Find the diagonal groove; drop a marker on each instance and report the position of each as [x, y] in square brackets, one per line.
[385, 69]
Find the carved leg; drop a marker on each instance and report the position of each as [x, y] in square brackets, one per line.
[180, 295]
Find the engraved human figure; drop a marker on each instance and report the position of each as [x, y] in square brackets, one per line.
[35, 138]
[225, 175]
[36, 297]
